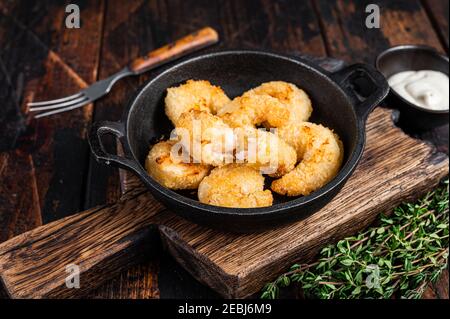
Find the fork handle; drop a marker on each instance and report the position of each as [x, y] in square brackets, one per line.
[190, 43]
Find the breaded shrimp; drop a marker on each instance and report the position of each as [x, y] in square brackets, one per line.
[234, 185]
[250, 110]
[194, 95]
[206, 137]
[295, 100]
[272, 104]
[265, 151]
[321, 153]
[170, 172]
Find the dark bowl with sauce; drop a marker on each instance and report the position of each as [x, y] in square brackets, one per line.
[413, 58]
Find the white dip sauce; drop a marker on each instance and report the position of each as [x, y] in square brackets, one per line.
[426, 88]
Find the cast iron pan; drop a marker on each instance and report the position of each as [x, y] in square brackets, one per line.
[337, 103]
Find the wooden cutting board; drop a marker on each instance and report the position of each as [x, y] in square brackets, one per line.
[105, 240]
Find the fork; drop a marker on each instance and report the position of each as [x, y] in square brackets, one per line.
[188, 44]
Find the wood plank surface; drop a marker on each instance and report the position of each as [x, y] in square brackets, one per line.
[283, 26]
[41, 59]
[20, 209]
[30, 59]
[117, 244]
[61, 160]
[247, 261]
[105, 240]
[120, 47]
[20, 203]
[265, 24]
[347, 37]
[402, 22]
[241, 24]
[43, 65]
[438, 14]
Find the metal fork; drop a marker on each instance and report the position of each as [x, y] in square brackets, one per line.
[188, 44]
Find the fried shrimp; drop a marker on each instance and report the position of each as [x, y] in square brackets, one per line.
[265, 151]
[170, 172]
[206, 137]
[194, 95]
[272, 104]
[234, 185]
[225, 155]
[210, 141]
[321, 154]
[295, 100]
[250, 110]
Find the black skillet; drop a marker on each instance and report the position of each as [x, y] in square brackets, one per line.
[338, 100]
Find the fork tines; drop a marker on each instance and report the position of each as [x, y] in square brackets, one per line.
[59, 105]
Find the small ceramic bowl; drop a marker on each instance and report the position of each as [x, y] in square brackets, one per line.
[413, 58]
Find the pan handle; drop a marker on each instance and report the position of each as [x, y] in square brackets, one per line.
[365, 86]
[101, 128]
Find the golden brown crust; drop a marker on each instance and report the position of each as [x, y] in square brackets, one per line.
[272, 104]
[234, 185]
[264, 150]
[294, 99]
[207, 138]
[204, 118]
[253, 110]
[171, 173]
[194, 95]
[321, 154]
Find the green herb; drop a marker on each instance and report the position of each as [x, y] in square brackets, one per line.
[397, 258]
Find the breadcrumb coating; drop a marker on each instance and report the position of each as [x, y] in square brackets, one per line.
[293, 98]
[207, 138]
[217, 131]
[234, 185]
[264, 150]
[321, 153]
[194, 95]
[272, 104]
[170, 172]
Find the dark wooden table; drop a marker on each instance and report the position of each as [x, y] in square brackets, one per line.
[46, 170]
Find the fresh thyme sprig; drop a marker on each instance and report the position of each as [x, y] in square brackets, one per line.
[399, 257]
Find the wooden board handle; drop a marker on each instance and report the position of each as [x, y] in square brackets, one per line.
[101, 241]
[190, 43]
